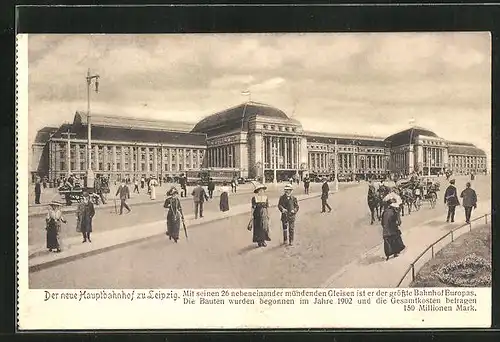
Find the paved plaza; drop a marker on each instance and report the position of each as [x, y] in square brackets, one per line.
[220, 253]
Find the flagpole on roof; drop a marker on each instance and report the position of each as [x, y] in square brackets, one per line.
[245, 93]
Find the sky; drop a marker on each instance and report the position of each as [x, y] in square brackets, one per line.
[359, 83]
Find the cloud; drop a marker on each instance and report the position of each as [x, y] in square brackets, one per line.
[340, 82]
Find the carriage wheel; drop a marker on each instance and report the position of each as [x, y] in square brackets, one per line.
[433, 200]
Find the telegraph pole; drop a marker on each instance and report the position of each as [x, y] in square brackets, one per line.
[90, 173]
[68, 149]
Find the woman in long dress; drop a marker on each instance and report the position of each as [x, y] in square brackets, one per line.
[224, 198]
[174, 214]
[53, 226]
[84, 214]
[391, 220]
[260, 216]
[152, 185]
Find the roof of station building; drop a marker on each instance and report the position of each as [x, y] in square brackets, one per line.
[43, 134]
[134, 135]
[99, 119]
[403, 137]
[465, 149]
[232, 118]
[345, 139]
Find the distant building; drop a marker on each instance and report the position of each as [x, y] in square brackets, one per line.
[251, 140]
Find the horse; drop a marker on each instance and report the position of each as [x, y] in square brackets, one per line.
[374, 203]
[408, 199]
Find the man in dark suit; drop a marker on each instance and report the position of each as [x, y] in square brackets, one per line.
[199, 197]
[288, 206]
[325, 189]
[306, 181]
[124, 193]
[451, 199]
[211, 187]
[183, 185]
[469, 201]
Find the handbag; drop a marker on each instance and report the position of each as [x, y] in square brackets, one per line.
[250, 225]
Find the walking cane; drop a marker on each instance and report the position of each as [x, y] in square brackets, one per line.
[116, 210]
[185, 230]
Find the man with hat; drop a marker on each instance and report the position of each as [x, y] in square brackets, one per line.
[199, 197]
[84, 214]
[325, 189]
[469, 201]
[124, 193]
[451, 199]
[288, 206]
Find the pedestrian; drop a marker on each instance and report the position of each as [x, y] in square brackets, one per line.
[307, 182]
[469, 201]
[124, 193]
[45, 180]
[224, 198]
[260, 217]
[136, 185]
[84, 214]
[325, 189]
[391, 221]
[199, 197]
[183, 184]
[288, 206]
[38, 190]
[211, 187]
[142, 182]
[53, 226]
[174, 214]
[451, 199]
[153, 183]
[98, 189]
[234, 184]
[472, 176]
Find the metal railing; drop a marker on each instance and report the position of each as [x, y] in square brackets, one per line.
[411, 268]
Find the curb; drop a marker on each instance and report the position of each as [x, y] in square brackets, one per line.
[69, 258]
[344, 268]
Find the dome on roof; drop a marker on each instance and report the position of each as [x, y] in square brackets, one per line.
[232, 118]
[403, 137]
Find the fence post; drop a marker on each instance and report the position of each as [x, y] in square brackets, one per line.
[452, 236]
[432, 251]
[412, 272]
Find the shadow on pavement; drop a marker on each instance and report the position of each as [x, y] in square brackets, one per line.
[247, 249]
[374, 259]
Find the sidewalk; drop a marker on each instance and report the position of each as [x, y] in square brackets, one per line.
[371, 270]
[73, 248]
[135, 199]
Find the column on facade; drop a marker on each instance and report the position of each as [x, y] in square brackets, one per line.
[77, 157]
[177, 160]
[96, 157]
[155, 160]
[122, 158]
[286, 149]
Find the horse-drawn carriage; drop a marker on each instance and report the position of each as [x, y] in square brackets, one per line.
[75, 194]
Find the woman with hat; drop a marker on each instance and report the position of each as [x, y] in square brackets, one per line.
[84, 214]
[53, 226]
[260, 216]
[393, 244]
[224, 198]
[174, 214]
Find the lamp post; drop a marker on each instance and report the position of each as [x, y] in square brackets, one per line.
[90, 173]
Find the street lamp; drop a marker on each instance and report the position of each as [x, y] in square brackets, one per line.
[90, 173]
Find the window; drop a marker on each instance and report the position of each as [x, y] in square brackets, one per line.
[150, 166]
[265, 126]
[63, 166]
[109, 167]
[166, 167]
[82, 166]
[100, 166]
[72, 165]
[118, 166]
[143, 167]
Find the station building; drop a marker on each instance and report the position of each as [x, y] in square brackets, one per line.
[251, 140]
